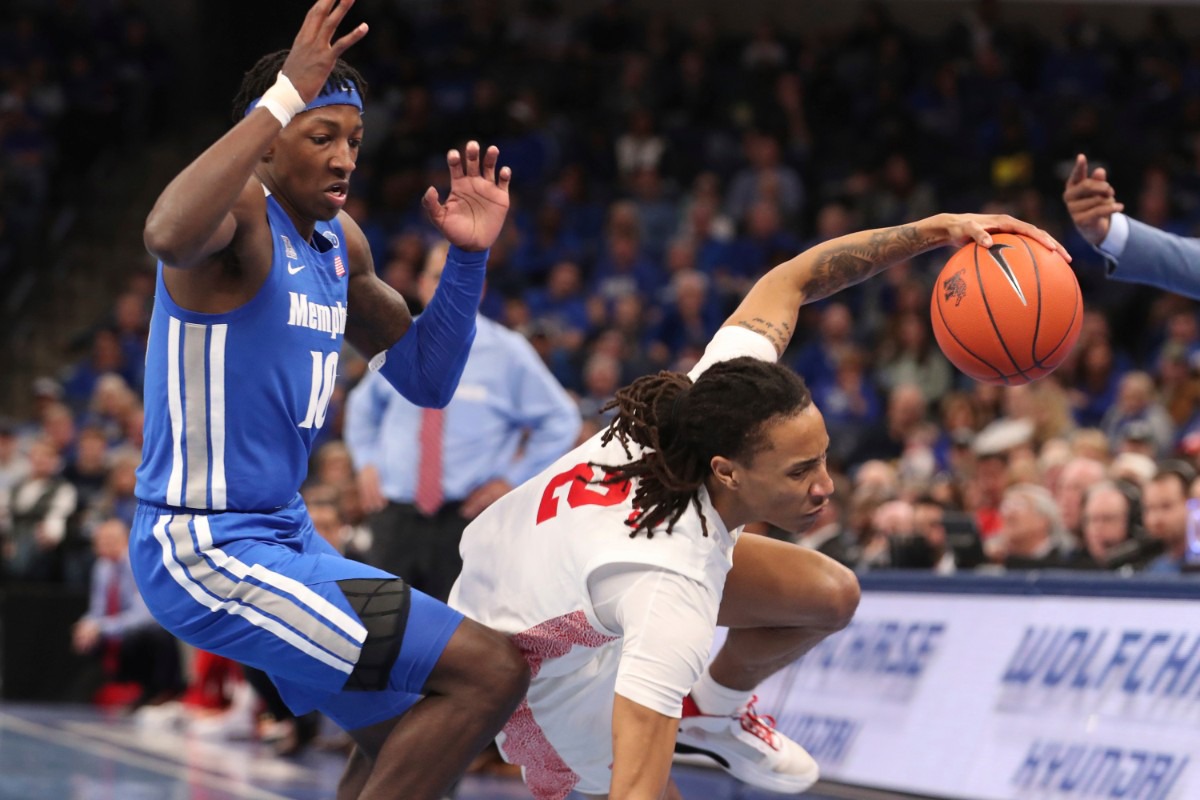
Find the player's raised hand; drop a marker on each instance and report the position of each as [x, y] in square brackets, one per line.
[474, 211]
[314, 50]
[963, 228]
[1090, 200]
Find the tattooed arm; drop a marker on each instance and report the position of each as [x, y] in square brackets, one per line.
[771, 306]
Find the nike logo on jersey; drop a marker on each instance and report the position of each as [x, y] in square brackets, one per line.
[316, 317]
[996, 251]
[293, 269]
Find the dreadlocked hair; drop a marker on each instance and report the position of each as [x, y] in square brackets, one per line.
[680, 426]
[263, 74]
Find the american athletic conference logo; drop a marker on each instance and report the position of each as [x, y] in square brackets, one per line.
[955, 288]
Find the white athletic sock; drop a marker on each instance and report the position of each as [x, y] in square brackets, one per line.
[716, 700]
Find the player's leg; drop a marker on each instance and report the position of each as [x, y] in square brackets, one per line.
[358, 767]
[471, 679]
[779, 601]
[326, 627]
[429, 690]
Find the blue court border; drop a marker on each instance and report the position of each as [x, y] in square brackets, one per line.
[1036, 583]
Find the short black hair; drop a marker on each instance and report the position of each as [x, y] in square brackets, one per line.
[262, 76]
[1178, 469]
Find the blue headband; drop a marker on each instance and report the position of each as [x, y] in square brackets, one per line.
[345, 94]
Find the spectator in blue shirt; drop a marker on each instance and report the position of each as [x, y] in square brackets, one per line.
[849, 401]
[106, 356]
[690, 318]
[765, 175]
[622, 266]
[765, 240]
[561, 301]
[817, 360]
[425, 473]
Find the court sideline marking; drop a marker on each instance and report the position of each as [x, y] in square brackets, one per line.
[102, 749]
[209, 755]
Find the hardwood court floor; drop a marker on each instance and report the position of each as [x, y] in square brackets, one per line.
[78, 753]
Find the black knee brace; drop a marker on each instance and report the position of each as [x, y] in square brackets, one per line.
[382, 607]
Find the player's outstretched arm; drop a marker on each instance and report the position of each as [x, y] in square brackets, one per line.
[643, 745]
[771, 306]
[425, 360]
[199, 212]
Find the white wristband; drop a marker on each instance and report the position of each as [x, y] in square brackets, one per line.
[282, 100]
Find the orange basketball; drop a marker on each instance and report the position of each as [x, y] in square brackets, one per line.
[1007, 314]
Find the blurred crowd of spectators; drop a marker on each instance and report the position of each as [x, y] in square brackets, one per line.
[77, 79]
[661, 165]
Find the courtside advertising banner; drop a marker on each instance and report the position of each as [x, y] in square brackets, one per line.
[1003, 697]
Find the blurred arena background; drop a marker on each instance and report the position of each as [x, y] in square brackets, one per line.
[1015, 641]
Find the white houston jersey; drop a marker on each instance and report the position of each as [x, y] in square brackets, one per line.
[527, 558]
[526, 564]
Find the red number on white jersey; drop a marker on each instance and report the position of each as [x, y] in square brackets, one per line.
[580, 491]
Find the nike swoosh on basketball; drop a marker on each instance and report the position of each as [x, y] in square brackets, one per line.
[293, 269]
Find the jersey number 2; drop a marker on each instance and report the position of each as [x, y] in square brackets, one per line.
[582, 491]
[324, 376]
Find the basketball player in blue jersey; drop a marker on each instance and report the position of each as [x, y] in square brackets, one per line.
[261, 275]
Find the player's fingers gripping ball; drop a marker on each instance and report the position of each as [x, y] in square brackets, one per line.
[1007, 314]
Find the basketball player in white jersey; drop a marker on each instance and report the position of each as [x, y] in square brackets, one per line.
[612, 569]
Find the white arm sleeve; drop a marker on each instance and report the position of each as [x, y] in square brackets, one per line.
[667, 623]
[733, 341]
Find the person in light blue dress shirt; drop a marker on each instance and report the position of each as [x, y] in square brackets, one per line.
[118, 628]
[508, 420]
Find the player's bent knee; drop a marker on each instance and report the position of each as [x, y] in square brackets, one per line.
[841, 593]
[511, 671]
[503, 683]
[485, 667]
[505, 674]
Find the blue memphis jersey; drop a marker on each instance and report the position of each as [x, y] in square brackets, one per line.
[234, 401]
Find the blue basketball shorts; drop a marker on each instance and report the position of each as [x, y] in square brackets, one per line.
[262, 589]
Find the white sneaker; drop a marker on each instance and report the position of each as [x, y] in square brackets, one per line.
[228, 725]
[168, 716]
[748, 747]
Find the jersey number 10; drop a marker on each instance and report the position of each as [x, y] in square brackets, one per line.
[324, 376]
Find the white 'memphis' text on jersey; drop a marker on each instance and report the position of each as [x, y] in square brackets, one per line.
[234, 401]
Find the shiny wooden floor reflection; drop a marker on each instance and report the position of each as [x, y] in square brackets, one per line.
[79, 753]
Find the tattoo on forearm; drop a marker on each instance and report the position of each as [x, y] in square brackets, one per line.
[779, 333]
[850, 264]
